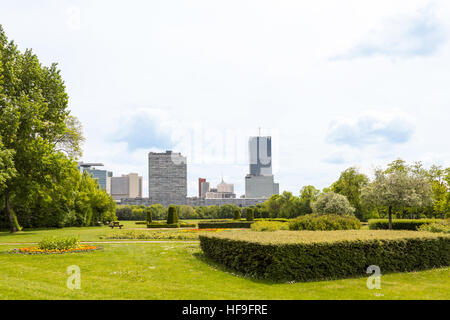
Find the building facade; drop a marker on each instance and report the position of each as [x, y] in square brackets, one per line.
[167, 177]
[102, 176]
[126, 186]
[259, 183]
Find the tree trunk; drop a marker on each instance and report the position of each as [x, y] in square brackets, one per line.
[14, 225]
[390, 217]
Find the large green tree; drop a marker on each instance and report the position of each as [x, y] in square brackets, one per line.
[398, 187]
[308, 194]
[35, 124]
[350, 184]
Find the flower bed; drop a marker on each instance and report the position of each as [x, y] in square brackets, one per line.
[37, 250]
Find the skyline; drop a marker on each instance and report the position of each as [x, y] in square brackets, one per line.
[366, 87]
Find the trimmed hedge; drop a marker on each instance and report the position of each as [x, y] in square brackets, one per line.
[400, 224]
[325, 222]
[325, 255]
[172, 215]
[224, 224]
[163, 225]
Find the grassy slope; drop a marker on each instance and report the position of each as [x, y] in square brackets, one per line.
[178, 271]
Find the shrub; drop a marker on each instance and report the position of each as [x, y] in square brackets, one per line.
[400, 224]
[268, 226]
[54, 243]
[172, 216]
[224, 224]
[162, 225]
[249, 214]
[332, 203]
[436, 227]
[148, 214]
[322, 255]
[237, 214]
[324, 222]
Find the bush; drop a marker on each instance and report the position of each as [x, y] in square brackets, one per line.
[54, 243]
[237, 214]
[324, 222]
[163, 225]
[324, 255]
[224, 224]
[436, 227]
[172, 216]
[400, 224]
[249, 214]
[148, 214]
[332, 203]
[268, 226]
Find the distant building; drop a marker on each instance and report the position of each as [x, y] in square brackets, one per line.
[102, 176]
[259, 183]
[126, 186]
[167, 177]
[223, 191]
[203, 187]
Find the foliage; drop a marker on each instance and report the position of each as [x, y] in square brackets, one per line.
[324, 222]
[172, 215]
[148, 216]
[308, 195]
[268, 226]
[350, 184]
[400, 224]
[224, 224]
[443, 226]
[320, 255]
[398, 187]
[249, 214]
[332, 203]
[153, 235]
[55, 243]
[162, 225]
[237, 214]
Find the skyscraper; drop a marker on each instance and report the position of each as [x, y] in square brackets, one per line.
[259, 183]
[102, 176]
[167, 177]
[260, 156]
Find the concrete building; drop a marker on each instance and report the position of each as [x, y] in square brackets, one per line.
[126, 186]
[195, 201]
[102, 176]
[203, 188]
[222, 191]
[167, 177]
[259, 183]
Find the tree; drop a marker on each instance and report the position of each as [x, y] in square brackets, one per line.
[350, 184]
[308, 194]
[397, 188]
[34, 120]
[332, 203]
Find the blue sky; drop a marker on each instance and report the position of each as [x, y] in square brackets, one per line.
[336, 84]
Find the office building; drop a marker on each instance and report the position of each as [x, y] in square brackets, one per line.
[126, 186]
[102, 176]
[222, 191]
[167, 177]
[259, 183]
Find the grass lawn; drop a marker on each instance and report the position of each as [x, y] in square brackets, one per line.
[176, 270]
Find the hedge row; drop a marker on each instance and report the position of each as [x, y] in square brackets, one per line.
[324, 255]
[400, 224]
[224, 224]
[324, 222]
[171, 225]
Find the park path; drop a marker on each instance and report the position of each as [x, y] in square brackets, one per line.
[108, 242]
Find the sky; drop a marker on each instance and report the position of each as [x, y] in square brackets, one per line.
[335, 83]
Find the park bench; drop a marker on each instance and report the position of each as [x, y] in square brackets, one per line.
[116, 224]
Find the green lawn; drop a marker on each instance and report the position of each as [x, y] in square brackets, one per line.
[176, 270]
